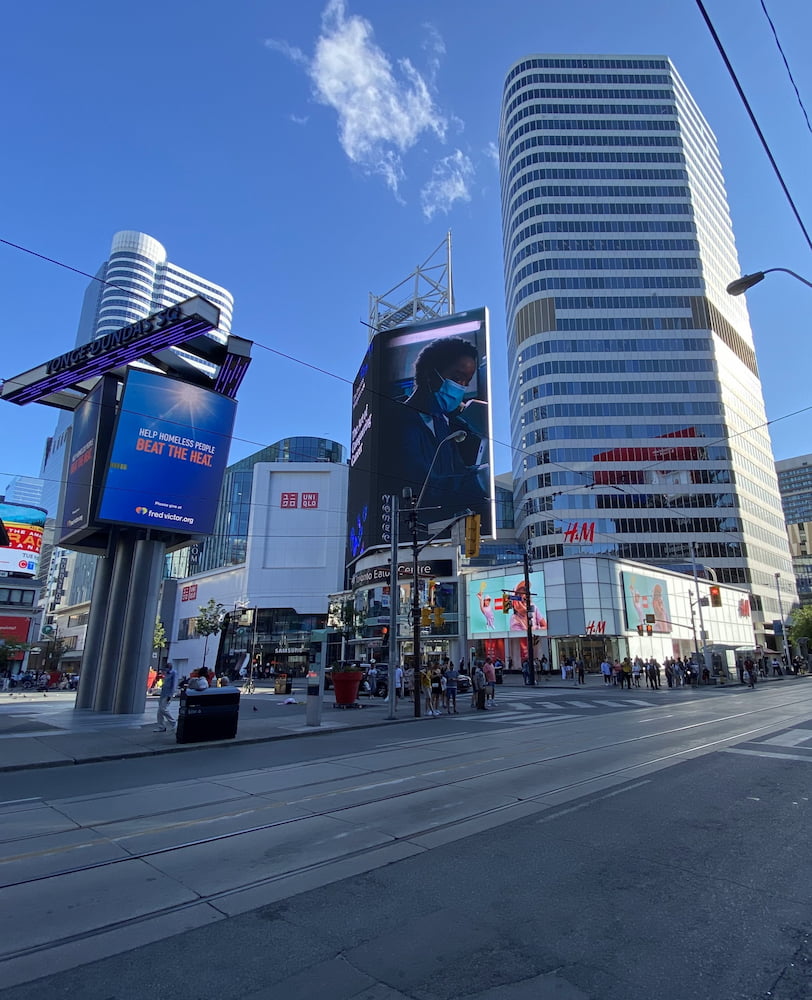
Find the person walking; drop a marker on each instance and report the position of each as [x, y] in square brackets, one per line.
[580, 668]
[479, 688]
[168, 689]
[606, 670]
[490, 681]
[398, 681]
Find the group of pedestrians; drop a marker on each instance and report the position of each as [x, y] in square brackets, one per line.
[628, 672]
[439, 687]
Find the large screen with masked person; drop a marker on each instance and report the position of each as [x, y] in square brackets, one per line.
[421, 419]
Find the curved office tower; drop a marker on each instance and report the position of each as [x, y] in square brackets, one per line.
[636, 406]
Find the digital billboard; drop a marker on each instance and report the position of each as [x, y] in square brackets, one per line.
[646, 596]
[168, 456]
[24, 526]
[90, 439]
[497, 606]
[419, 385]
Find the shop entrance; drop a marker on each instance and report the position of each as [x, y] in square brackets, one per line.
[592, 649]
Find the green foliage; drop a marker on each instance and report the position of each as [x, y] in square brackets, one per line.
[159, 635]
[800, 624]
[9, 648]
[209, 622]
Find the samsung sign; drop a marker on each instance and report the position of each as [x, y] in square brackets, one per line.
[112, 341]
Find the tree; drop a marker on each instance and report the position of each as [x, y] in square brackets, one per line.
[159, 635]
[8, 650]
[209, 622]
[800, 626]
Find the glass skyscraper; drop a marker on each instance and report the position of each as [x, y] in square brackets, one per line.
[636, 407]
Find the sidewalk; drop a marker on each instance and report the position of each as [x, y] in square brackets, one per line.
[39, 730]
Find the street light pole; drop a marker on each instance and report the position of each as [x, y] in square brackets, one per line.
[531, 666]
[394, 611]
[746, 281]
[783, 623]
[413, 525]
[699, 606]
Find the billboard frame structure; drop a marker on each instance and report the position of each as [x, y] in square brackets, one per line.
[124, 603]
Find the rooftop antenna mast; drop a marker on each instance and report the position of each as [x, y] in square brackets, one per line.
[426, 294]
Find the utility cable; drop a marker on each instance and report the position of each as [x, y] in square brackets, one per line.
[754, 121]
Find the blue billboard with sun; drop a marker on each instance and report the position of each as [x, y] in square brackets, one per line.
[169, 453]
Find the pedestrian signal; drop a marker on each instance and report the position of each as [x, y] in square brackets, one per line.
[425, 617]
[439, 617]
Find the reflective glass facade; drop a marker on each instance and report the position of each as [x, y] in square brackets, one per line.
[636, 407]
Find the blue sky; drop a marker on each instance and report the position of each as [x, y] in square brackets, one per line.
[306, 154]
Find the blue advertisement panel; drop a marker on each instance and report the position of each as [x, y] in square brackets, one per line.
[646, 600]
[497, 606]
[168, 456]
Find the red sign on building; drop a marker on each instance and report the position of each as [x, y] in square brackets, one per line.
[289, 500]
[310, 501]
[189, 593]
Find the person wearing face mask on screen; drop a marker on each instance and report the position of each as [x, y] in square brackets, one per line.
[443, 376]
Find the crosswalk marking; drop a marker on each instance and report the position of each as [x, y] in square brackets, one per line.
[579, 704]
[517, 720]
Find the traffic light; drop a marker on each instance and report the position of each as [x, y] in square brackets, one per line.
[425, 617]
[506, 602]
[639, 629]
[649, 629]
[439, 617]
[472, 525]
[715, 597]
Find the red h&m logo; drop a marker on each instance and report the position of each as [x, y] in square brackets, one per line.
[289, 500]
[596, 628]
[580, 532]
[189, 593]
[310, 501]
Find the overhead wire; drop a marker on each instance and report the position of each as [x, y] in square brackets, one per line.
[754, 120]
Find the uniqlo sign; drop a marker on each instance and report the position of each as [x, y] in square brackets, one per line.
[189, 593]
[310, 501]
[289, 500]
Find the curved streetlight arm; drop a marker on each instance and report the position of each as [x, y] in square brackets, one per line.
[457, 436]
[746, 281]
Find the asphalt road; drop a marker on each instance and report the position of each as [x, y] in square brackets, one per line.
[591, 852]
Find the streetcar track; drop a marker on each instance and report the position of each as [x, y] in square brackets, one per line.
[368, 854]
[338, 808]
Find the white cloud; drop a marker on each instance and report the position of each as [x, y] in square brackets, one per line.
[299, 119]
[451, 180]
[434, 47]
[290, 51]
[492, 152]
[383, 109]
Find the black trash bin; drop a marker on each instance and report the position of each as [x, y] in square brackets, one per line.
[208, 715]
[282, 684]
[499, 675]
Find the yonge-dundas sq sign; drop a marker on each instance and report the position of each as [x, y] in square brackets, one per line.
[61, 382]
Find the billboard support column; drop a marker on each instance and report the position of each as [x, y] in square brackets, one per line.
[138, 627]
[94, 636]
[115, 612]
